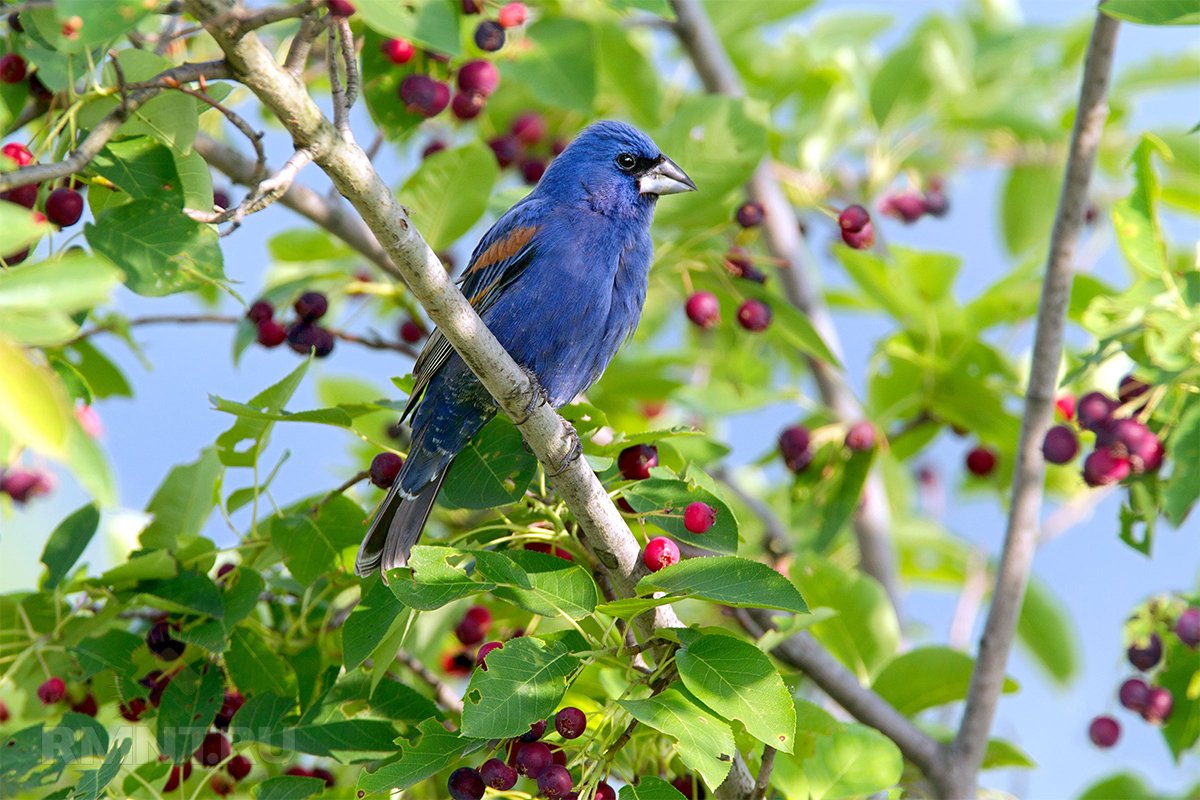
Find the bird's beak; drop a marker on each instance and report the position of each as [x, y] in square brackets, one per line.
[665, 177]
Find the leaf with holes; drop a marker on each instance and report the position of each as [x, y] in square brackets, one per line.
[523, 683]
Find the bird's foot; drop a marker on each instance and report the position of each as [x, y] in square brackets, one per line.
[572, 455]
[532, 393]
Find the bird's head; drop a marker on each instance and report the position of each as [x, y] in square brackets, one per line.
[615, 168]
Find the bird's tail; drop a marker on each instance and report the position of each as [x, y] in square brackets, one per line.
[396, 528]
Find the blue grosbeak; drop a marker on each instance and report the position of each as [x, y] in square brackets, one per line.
[560, 279]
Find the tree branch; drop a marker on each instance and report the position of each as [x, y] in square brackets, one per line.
[106, 128]
[872, 521]
[1020, 539]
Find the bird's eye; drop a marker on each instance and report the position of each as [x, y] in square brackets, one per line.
[626, 161]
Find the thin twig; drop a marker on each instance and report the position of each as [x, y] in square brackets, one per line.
[1020, 539]
[350, 61]
[272, 14]
[297, 56]
[446, 696]
[341, 489]
[764, 773]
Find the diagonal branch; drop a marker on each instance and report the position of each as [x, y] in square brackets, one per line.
[1020, 538]
[873, 520]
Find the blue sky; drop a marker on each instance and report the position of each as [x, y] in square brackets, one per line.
[1097, 577]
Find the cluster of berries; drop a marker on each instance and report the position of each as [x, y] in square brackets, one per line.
[490, 35]
[63, 206]
[1153, 703]
[634, 463]
[14, 69]
[524, 147]
[304, 334]
[1124, 446]
[795, 443]
[908, 207]
[703, 308]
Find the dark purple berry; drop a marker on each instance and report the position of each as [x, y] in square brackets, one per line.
[12, 68]
[535, 732]
[554, 781]
[467, 105]
[481, 657]
[703, 309]
[489, 36]
[1133, 694]
[750, 214]
[25, 195]
[305, 337]
[636, 460]
[854, 218]
[64, 207]
[754, 315]
[423, 95]
[532, 170]
[1131, 389]
[22, 485]
[472, 7]
[507, 150]
[1095, 409]
[794, 447]
[1158, 706]
[271, 333]
[908, 208]
[529, 128]
[604, 792]
[260, 310]
[474, 626]
[311, 306]
[1061, 445]
[411, 331]
[213, 750]
[532, 758]
[936, 203]
[498, 775]
[340, 8]
[1102, 468]
[87, 706]
[1104, 731]
[981, 461]
[14, 22]
[221, 199]
[861, 239]
[436, 146]
[385, 467]
[478, 77]
[52, 691]
[1187, 627]
[466, 784]
[229, 706]
[570, 722]
[861, 437]
[162, 643]
[133, 710]
[1146, 655]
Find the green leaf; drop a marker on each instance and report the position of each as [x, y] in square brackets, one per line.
[704, 743]
[554, 586]
[671, 497]
[1123, 785]
[101, 23]
[67, 543]
[449, 192]
[113, 650]
[34, 408]
[289, 787]
[253, 430]
[430, 581]
[431, 23]
[368, 623]
[1154, 12]
[306, 550]
[419, 759]
[195, 177]
[854, 762]
[627, 75]
[154, 564]
[864, 633]
[303, 245]
[160, 250]
[493, 470]
[38, 302]
[836, 511]
[1135, 218]
[901, 85]
[90, 465]
[524, 681]
[650, 788]
[183, 501]
[36, 756]
[20, 227]
[559, 67]
[1181, 677]
[92, 783]
[188, 591]
[1005, 755]
[728, 580]
[735, 679]
[1047, 632]
[927, 677]
[1027, 206]
[256, 668]
[141, 168]
[1182, 488]
[188, 706]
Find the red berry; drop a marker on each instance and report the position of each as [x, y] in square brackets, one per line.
[1159, 704]
[794, 447]
[12, 68]
[271, 333]
[467, 105]
[466, 784]
[311, 306]
[411, 331]
[162, 643]
[133, 710]
[854, 218]
[512, 15]
[861, 437]
[981, 461]
[570, 722]
[1102, 468]
[239, 767]
[179, 774]
[18, 153]
[498, 775]
[325, 775]
[459, 663]
[23, 485]
[750, 214]
[481, 659]
[229, 706]
[1104, 731]
[299, 772]
[529, 128]
[507, 150]
[861, 239]
[1060, 445]
[636, 460]
[604, 792]
[156, 681]
[754, 315]
[86, 706]
[340, 8]
[64, 207]
[532, 758]
[474, 625]
[554, 781]
[660, 552]
[5, 714]
[1133, 694]
[1095, 409]
[398, 51]
[385, 467]
[703, 309]
[1065, 406]
[699, 517]
[1187, 627]
[423, 95]
[260, 310]
[1146, 655]
[436, 146]
[489, 36]
[213, 750]
[906, 207]
[687, 786]
[535, 732]
[478, 77]
[1128, 438]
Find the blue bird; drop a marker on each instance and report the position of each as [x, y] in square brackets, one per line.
[560, 280]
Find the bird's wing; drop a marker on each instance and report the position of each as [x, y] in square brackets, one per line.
[501, 255]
